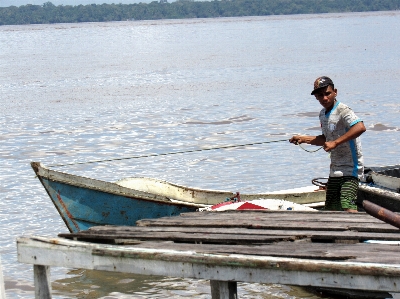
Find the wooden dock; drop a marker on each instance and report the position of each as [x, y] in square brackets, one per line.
[321, 249]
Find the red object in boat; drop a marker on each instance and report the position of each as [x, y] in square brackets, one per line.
[243, 205]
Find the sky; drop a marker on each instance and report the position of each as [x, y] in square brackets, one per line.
[6, 3]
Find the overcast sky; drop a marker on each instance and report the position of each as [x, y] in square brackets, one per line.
[5, 3]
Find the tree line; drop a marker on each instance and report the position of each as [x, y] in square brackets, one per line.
[49, 13]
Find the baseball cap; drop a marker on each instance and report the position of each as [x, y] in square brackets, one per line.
[321, 82]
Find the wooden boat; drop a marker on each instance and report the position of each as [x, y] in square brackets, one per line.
[85, 202]
[382, 187]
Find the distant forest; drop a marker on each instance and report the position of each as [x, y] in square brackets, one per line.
[49, 13]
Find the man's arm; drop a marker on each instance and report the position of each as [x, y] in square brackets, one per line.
[354, 132]
[314, 140]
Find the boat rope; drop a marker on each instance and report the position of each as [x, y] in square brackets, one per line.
[167, 154]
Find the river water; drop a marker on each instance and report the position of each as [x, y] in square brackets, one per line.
[72, 93]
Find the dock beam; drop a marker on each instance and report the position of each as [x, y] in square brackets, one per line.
[41, 278]
[223, 289]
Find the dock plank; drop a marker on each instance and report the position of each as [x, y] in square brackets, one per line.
[331, 216]
[316, 251]
[394, 235]
[183, 237]
[222, 235]
[279, 224]
[319, 221]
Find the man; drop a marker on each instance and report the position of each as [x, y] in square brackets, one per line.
[341, 129]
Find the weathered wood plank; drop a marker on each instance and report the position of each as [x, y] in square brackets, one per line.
[191, 237]
[245, 220]
[284, 249]
[318, 226]
[388, 254]
[286, 215]
[191, 234]
[216, 229]
[246, 223]
[242, 230]
[333, 217]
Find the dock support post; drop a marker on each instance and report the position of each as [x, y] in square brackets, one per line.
[41, 278]
[223, 289]
[2, 290]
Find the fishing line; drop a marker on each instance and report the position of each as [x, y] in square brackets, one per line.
[180, 152]
[167, 154]
[308, 151]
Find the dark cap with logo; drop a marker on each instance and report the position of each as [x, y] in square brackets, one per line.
[321, 82]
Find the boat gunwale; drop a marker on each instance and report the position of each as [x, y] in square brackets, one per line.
[379, 191]
[43, 172]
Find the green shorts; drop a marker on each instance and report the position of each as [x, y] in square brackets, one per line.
[341, 193]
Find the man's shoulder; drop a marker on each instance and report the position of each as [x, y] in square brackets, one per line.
[342, 108]
[342, 105]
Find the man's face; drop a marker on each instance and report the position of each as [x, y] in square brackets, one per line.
[326, 97]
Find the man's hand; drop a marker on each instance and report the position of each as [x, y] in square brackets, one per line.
[297, 139]
[330, 145]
